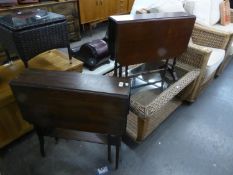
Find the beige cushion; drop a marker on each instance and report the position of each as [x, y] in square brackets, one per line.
[206, 11]
[158, 5]
[231, 49]
[201, 9]
[227, 28]
[138, 4]
[216, 58]
[175, 6]
[215, 11]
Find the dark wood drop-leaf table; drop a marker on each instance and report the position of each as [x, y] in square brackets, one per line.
[74, 106]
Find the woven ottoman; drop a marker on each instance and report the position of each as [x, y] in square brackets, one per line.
[29, 33]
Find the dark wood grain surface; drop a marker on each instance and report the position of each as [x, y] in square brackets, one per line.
[72, 81]
[149, 37]
[72, 101]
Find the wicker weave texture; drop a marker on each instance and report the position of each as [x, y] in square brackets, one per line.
[209, 37]
[31, 42]
[139, 128]
[163, 98]
[231, 15]
[195, 56]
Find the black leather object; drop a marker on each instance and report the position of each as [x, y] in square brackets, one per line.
[93, 54]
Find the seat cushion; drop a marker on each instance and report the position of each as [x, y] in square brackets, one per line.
[138, 4]
[175, 6]
[201, 9]
[206, 11]
[231, 49]
[158, 5]
[226, 28]
[215, 11]
[216, 58]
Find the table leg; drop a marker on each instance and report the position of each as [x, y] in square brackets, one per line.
[8, 57]
[25, 64]
[69, 53]
[171, 69]
[120, 71]
[115, 69]
[118, 145]
[41, 140]
[56, 140]
[164, 74]
[109, 149]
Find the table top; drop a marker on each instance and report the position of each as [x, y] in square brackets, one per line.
[70, 100]
[154, 36]
[74, 81]
[149, 16]
[29, 18]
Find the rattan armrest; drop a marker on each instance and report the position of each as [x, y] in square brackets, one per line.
[195, 57]
[194, 61]
[164, 97]
[231, 15]
[210, 37]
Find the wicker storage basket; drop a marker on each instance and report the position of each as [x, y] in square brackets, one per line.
[30, 36]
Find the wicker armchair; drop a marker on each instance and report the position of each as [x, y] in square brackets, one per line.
[215, 41]
[148, 108]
